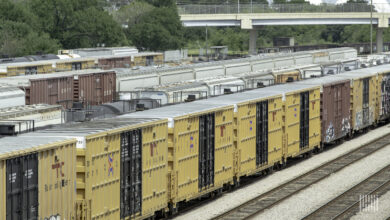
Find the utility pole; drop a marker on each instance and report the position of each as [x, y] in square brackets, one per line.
[238, 6]
[371, 29]
[207, 46]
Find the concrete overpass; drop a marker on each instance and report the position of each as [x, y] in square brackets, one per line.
[252, 21]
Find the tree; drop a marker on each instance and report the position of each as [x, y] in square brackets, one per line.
[78, 23]
[159, 29]
[131, 14]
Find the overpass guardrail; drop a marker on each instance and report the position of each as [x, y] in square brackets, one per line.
[280, 8]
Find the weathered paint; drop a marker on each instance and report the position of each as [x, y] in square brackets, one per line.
[57, 177]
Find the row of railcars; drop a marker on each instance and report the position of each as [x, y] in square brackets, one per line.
[63, 63]
[149, 162]
[91, 87]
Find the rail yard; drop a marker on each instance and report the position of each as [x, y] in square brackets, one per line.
[289, 135]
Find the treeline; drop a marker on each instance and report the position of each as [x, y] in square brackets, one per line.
[32, 26]
[44, 26]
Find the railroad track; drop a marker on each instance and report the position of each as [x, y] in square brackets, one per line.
[273, 197]
[348, 203]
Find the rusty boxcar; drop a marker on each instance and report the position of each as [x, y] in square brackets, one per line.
[364, 98]
[335, 107]
[111, 62]
[92, 87]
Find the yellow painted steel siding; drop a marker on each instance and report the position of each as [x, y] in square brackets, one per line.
[292, 117]
[186, 162]
[2, 190]
[283, 77]
[314, 116]
[155, 168]
[357, 102]
[103, 183]
[246, 135]
[223, 167]
[275, 132]
[57, 176]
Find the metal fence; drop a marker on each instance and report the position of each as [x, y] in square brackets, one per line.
[279, 8]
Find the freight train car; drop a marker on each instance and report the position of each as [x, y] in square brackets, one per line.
[112, 62]
[200, 148]
[364, 100]
[38, 178]
[92, 87]
[301, 111]
[74, 64]
[121, 167]
[335, 107]
[257, 132]
[26, 68]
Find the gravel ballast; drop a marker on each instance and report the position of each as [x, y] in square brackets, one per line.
[233, 199]
[380, 212]
[310, 199]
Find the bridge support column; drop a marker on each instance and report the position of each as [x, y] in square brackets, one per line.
[379, 40]
[252, 42]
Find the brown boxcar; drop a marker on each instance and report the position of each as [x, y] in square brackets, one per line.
[52, 91]
[335, 107]
[96, 88]
[106, 63]
[93, 87]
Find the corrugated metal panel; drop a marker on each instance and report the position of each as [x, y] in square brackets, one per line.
[207, 72]
[363, 82]
[184, 119]
[384, 94]
[304, 59]
[35, 157]
[262, 65]
[57, 180]
[335, 107]
[132, 83]
[100, 142]
[176, 76]
[283, 62]
[11, 96]
[114, 62]
[245, 128]
[96, 89]
[51, 91]
[22, 187]
[232, 69]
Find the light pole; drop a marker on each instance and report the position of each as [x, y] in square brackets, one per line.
[371, 28]
[238, 6]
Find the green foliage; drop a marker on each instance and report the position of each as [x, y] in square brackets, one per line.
[131, 14]
[158, 29]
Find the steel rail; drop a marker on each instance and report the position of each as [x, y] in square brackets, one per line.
[280, 193]
[347, 204]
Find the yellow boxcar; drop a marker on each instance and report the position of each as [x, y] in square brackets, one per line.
[364, 97]
[31, 68]
[383, 96]
[115, 157]
[43, 172]
[147, 59]
[200, 147]
[301, 117]
[284, 76]
[74, 64]
[257, 130]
